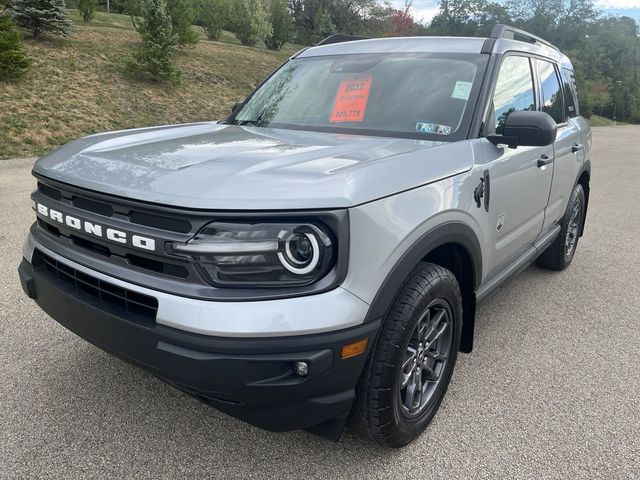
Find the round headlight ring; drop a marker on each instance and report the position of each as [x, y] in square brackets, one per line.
[291, 263]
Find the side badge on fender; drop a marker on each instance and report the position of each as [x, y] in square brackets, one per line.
[500, 222]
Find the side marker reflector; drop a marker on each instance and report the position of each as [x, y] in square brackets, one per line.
[353, 349]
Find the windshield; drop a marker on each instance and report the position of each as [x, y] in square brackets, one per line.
[405, 95]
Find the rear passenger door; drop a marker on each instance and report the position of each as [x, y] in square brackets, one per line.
[568, 151]
[519, 188]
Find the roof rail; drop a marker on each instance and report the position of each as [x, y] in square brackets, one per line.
[512, 33]
[338, 38]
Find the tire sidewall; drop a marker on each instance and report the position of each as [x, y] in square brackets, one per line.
[448, 291]
[576, 195]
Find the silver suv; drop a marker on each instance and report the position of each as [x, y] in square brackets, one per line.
[321, 253]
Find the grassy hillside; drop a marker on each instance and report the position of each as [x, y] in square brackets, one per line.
[75, 86]
[598, 121]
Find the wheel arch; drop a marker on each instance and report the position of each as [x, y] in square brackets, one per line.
[452, 245]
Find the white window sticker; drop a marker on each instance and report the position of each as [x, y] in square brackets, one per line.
[427, 127]
[462, 90]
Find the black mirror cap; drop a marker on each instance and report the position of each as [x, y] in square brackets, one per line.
[533, 129]
[528, 129]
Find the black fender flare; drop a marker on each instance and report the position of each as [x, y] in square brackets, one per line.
[586, 168]
[448, 232]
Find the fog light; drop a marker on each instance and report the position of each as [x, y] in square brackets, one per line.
[301, 368]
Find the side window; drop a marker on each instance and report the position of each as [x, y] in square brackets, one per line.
[514, 91]
[570, 92]
[551, 91]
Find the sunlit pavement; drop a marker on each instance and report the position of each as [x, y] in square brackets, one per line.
[552, 389]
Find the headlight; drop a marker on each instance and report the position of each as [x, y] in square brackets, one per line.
[260, 254]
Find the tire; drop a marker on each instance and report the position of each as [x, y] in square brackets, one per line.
[429, 306]
[559, 254]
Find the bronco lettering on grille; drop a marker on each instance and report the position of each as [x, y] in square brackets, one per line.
[97, 230]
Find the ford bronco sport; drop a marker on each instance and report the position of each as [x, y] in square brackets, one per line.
[322, 251]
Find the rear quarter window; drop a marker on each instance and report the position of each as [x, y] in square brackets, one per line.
[570, 92]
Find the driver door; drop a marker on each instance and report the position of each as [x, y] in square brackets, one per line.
[520, 178]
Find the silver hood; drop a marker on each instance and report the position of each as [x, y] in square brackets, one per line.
[223, 167]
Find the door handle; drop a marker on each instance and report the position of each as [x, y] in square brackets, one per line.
[544, 160]
[576, 147]
[482, 191]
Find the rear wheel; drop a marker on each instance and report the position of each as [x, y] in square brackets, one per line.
[559, 254]
[412, 362]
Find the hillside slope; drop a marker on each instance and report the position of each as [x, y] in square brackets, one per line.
[75, 86]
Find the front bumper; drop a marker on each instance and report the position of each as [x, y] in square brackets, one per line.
[249, 378]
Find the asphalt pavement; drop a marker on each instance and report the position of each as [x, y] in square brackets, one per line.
[551, 390]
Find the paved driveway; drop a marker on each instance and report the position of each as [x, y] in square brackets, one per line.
[552, 389]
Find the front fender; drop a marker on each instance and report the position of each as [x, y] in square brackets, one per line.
[390, 236]
[449, 232]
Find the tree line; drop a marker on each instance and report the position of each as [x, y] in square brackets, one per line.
[605, 50]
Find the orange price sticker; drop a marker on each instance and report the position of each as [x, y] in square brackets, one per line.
[351, 100]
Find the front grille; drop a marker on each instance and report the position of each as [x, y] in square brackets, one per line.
[120, 301]
[82, 202]
[165, 268]
[163, 223]
[122, 215]
[93, 206]
[91, 246]
[49, 228]
[158, 268]
[49, 191]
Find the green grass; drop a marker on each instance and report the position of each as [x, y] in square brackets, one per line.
[598, 121]
[75, 86]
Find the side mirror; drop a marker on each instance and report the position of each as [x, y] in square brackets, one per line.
[527, 129]
[236, 107]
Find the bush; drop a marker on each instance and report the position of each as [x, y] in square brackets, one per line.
[214, 17]
[249, 21]
[280, 25]
[39, 16]
[324, 27]
[182, 16]
[13, 58]
[153, 58]
[87, 9]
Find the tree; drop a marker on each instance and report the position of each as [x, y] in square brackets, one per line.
[153, 58]
[13, 58]
[280, 25]
[249, 21]
[324, 27]
[402, 22]
[87, 9]
[377, 22]
[314, 18]
[214, 16]
[604, 50]
[39, 16]
[348, 15]
[468, 17]
[182, 16]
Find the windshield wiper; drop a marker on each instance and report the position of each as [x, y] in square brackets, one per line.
[251, 123]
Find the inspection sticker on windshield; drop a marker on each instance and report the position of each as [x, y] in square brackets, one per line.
[462, 90]
[351, 100]
[426, 127]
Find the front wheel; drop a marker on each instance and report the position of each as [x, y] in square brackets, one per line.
[412, 362]
[559, 254]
